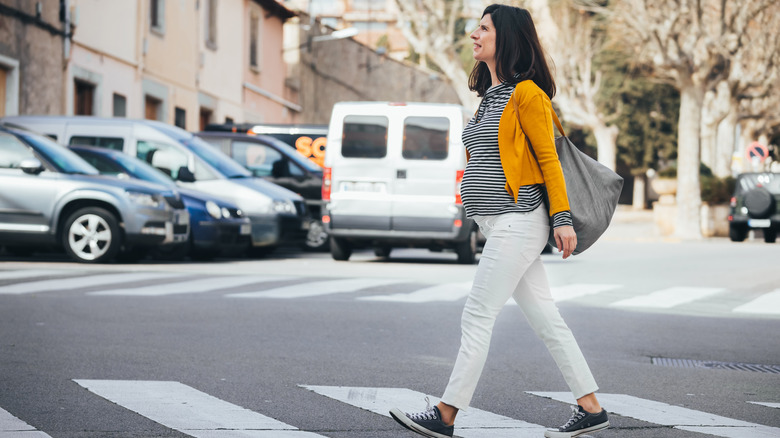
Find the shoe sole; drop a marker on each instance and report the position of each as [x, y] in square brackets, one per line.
[556, 434]
[404, 421]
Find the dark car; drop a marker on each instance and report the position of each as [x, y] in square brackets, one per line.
[51, 197]
[308, 139]
[216, 226]
[269, 158]
[754, 206]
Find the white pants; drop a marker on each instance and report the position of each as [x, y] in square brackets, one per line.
[511, 265]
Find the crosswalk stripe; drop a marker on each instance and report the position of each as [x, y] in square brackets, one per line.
[472, 423]
[769, 405]
[768, 303]
[668, 298]
[11, 427]
[441, 292]
[675, 416]
[33, 273]
[81, 282]
[187, 410]
[317, 288]
[572, 291]
[191, 286]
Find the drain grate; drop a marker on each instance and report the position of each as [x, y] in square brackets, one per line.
[715, 365]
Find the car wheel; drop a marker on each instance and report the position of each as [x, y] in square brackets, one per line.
[340, 249]
[91, 235]
[316, 238]
[737, 233]
[383, 251]
[467, 250]
[770, 235]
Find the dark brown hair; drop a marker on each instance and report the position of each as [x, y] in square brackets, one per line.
[519, 54]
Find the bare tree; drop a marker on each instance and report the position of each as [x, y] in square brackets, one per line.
[572, 41]
[430, 27]
[690, 43]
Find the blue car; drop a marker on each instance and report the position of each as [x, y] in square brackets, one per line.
[217, 226]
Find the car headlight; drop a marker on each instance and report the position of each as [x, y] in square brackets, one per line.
[146, 199]
[280, 206]
[213, 209]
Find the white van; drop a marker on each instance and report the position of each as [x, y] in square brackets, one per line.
[392, 179]
[277, 215]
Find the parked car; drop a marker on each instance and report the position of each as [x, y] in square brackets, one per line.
[278, 215]
[754, 206]
[269, 158]
[308, 139]
[392, 179]
[216, 226]
[50, 197]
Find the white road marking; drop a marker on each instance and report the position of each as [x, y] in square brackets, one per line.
[675, 416]
[441, 292]
[472, 423]
[668, 298]
[32, 273]
[192, 412]
[572, 291]
[191, 287]
[768, 304]
[769, 405]
[12, 427]
[317, 288]
[81, 282]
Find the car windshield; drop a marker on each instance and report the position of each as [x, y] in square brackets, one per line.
[224, 164]
[138, 169]
[62, 158]
[221, 162]
[294, 154]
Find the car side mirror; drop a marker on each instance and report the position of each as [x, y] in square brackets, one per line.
[185, 175]
[33, 166]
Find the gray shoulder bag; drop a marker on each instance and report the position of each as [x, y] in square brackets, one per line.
[593, 190]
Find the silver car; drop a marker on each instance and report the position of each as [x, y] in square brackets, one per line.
[49, 196]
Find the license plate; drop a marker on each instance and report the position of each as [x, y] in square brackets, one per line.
[245, 229]
[362, 186]
[182, 219]
[759, 223]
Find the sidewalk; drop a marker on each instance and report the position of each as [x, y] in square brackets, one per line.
[634, 225]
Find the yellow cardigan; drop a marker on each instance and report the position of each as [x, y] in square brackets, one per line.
[532, 122]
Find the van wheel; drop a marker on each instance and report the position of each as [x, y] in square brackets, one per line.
[340, 249]
[383, 251]
[467, 250]
[91, 235]
[770, 235]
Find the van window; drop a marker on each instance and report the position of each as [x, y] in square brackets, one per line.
[162, 156]
[426, 138]
[364, 137]
[114, 143]
[12, 151]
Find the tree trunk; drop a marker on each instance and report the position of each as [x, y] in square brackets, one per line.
[726, 145]
[688, 191]
[606, 137]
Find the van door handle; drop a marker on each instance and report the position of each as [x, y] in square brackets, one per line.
[400, 174]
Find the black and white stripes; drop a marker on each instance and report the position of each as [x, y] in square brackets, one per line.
[482, 189]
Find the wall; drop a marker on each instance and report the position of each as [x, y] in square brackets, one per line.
[31, 50]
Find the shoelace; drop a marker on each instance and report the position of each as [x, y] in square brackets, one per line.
[428, 414]
[575, 417]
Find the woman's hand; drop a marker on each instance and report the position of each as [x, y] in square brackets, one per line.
[565, 239]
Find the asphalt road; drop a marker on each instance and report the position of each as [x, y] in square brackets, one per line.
[310, 345]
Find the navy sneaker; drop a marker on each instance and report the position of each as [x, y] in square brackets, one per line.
[426, 423]
[581, 421]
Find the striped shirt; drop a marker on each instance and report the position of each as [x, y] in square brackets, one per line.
[483, 187]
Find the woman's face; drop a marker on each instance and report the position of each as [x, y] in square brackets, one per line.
[485, 41]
